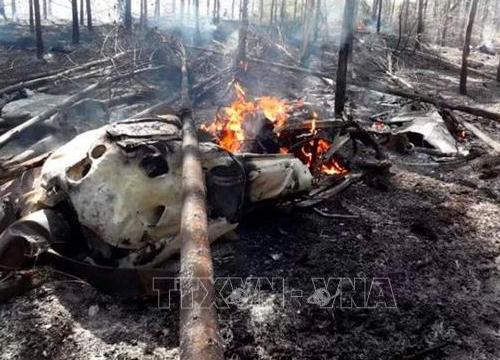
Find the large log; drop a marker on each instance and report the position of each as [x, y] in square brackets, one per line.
[199, 330]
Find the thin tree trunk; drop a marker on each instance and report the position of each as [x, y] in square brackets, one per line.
[32, 19]
[157, 8]
[283, 12]
[76, 26]
[345, 50]
[13, 10]
[233, 7]
[217, 18]
[466, 51]
[295, 8]
[183, 7]
[271, 20]
[145, 9]
[379, 16]
[242, 38]
[208, 7]
[44, 9]
[317, 22]
[197, 20]
[498, 72]
[49, 10]
[261, 11]
[308, 29]
[128, 15]
[38, 29]
[89, 15]
[82, 14]
[420, 23]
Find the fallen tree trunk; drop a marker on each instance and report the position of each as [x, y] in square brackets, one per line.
[59, 75]
[199, 330]
[9, 135]
[433, 100]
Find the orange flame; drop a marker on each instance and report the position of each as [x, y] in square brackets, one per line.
[228, 125]
[229, 128]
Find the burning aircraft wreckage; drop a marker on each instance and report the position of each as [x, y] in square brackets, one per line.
[112, 198]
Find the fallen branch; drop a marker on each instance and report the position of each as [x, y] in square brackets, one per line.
[9, 135]
[60, 75]
[383, 89]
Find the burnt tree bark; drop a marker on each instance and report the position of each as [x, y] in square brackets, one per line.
[261, 11]
[466, 51]
[144, 14]
[76, 25]
[13, 9]
[420, 23]
[38, 29]
[82, 13]
[498, 72]
[32, 19]
[308, 29]
[317, 24]
[44, 9]
[379, 16]
[157, 8]
[89, 15]
[345, 50]
[271, 19]
[242, 38]
[128, 15]
[183, 7]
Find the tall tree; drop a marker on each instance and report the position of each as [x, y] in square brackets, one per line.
[44, 9]
[183, 7]
[308, 30]
[242, 36]
[317, 21]
[379, 16]
[82, 13]
[89, 15]
[466, 51]
[32, 19]
[157, 8]
[38, 29]
[128, 15]
[420, 23]
[76, 26]
[498, 72]
[283, 11]
[344, 52]
[14, 10]
[261, 11]
[197, 19]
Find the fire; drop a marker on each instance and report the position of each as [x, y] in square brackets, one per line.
[229, 124]
[230, 127]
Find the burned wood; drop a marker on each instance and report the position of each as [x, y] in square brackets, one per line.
[9, 135]
[199, 330]
[15, 170]
[327, 192]
[59, 75]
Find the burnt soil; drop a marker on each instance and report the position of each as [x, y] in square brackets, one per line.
[433, 233]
